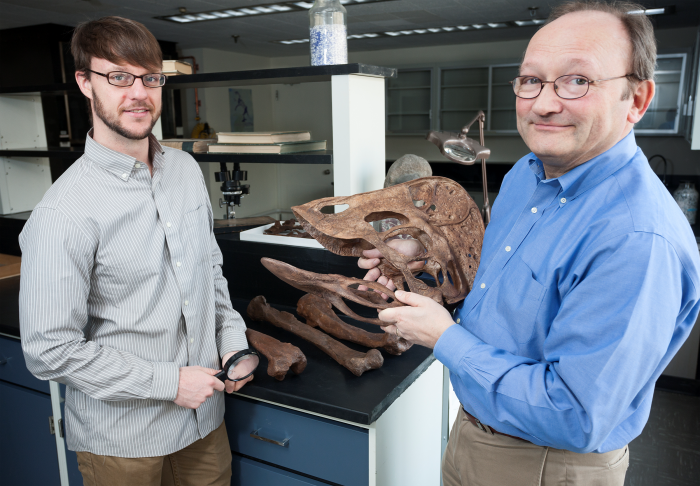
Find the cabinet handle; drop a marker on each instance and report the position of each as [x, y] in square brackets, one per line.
[281, 443]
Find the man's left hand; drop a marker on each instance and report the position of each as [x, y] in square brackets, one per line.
[232, 386]
[422, 321]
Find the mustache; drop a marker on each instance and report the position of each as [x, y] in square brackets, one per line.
[138, 106]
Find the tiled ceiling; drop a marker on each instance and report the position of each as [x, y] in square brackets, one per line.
[257, 34]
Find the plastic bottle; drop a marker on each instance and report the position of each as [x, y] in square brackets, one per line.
[328, 33]
[687, 198]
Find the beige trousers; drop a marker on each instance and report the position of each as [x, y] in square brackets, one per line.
[476, 458]
[204, 462]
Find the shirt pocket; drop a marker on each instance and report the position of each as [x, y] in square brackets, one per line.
[518, 301]
[196, 233]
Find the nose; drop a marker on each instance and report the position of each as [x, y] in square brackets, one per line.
[138, 90]
[547, 102]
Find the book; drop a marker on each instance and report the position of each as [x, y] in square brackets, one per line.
[173, 68]
[268, 148]
[191, 145]
[262, 137]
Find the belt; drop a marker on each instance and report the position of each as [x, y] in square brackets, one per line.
[485, 428]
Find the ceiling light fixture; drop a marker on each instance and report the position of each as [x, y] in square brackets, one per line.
[652, 11]
[186, 17]
[433, 30]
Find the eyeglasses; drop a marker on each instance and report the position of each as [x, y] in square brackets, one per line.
[567, 87]
[124, 80]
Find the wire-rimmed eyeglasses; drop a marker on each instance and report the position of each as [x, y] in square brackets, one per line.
[567, 87]
[124, 80]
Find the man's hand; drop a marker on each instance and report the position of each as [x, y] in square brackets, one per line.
[196, 385]
[422, 323]
[372, 258]
[232, 386]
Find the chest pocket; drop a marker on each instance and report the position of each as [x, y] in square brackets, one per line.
[196, 234]
[517, 304]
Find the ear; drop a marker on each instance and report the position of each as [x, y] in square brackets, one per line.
[84, 84]
[641, 97]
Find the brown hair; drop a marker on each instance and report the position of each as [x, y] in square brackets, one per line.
[118, 40]
[638, 27]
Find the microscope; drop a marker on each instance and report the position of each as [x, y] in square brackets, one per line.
[231, 187]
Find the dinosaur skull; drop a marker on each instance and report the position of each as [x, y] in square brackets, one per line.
[436, 211]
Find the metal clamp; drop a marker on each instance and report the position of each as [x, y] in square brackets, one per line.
[283, 443]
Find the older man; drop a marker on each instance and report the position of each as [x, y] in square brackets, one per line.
[589, 279]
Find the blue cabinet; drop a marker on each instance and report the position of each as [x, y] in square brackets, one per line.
[27, 447]
[299, 442]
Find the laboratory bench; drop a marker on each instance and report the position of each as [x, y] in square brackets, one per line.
[324, 426]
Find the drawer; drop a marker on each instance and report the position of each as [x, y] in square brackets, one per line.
[247, 472]
[14, 368]
[322, 448]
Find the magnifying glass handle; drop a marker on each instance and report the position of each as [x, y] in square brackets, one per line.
[221, 375]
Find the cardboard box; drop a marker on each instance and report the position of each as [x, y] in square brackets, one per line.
[9, 266]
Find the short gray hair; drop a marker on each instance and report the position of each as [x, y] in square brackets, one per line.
[639, 29]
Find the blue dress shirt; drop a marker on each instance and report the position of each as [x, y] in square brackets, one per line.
[587, 287]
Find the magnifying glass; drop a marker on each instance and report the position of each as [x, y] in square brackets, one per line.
[239, 366]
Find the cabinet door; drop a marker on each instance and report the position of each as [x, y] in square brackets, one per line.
[246, 472]
[27, 447]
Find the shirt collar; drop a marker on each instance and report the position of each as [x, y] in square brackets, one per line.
[589, 174]
[121, 164]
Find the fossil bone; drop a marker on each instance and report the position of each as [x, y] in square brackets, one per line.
[436, 211]
[334, 288]
[355, 361]
[281, 357]
[319, 313]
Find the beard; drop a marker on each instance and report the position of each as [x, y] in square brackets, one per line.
[115, 125]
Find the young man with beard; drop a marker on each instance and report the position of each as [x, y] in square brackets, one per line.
[589, 276]
[122, 295]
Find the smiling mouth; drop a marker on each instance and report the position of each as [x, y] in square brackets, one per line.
[139, 110]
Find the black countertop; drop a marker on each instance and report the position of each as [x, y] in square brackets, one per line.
[9, 306]
[327, 388]
[324, 387]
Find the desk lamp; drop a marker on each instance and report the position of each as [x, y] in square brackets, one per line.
[457, 147]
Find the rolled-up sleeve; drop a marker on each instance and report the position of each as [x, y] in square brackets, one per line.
[57, 264]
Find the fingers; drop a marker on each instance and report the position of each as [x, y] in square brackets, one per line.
[208, 371]
[372, 254]
[367, 263]
[413, 299]
[372, 275]
[388, 315]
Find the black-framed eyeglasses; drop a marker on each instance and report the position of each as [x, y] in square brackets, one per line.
[567, 87]
[124, 80]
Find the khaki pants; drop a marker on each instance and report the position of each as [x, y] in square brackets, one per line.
[477, 458]
[204, 462]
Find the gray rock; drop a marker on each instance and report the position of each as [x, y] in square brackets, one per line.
[407, 168]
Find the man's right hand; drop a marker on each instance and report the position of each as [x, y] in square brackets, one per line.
[196, 385]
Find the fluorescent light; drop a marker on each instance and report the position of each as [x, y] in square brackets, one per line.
[262, 9]
[433, 30]
[648, 11]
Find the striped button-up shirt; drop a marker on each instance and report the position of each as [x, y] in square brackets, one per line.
[121, 286]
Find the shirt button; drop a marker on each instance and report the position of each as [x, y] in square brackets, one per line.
[137, 165]
[458, 320]
[179, 264]
[168, 225]
[125, 176]
[483, 286]
[534, 210]
[191, 340]
[507, 248]
[187, 302]
[563, 200]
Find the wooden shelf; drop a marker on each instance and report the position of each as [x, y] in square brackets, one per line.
[316, 157]
[295, 75]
